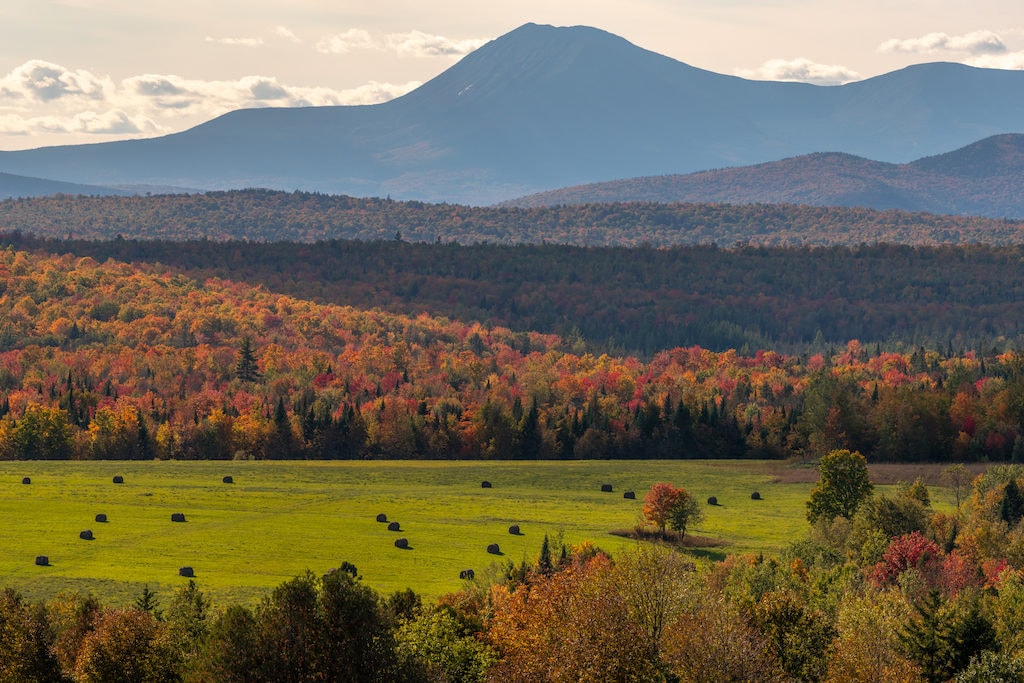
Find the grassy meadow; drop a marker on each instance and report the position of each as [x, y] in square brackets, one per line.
[280, 518]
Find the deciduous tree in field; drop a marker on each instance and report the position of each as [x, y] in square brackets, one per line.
[844, 484]
[658, 504]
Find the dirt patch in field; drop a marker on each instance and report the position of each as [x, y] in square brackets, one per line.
[671, 538]
[882, 474]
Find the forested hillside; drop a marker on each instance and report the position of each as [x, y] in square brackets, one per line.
[118, 361]
[263, 215]
[636, 300]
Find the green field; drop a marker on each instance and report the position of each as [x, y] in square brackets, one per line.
[280, 518]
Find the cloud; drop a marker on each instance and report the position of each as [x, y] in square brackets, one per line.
[40, 81]
[973, 43]
[1008, 60]
[420, 44]
[410, 44]
[243, 42]
[352, 39]
[284, 32]
[39, 97]
[801, 70]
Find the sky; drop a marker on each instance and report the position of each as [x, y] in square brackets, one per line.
[84, 71]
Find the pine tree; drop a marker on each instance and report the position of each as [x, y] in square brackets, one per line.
[247, 369]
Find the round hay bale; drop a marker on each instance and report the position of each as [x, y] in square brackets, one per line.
[228, 479]
[629, 495]
[118, 479]
[382, 517]
[755, 496]
[485, 484]
[394, 526]
[712, 500]
[402, 543]
[186, 572]
[606, 488]
[86, 535]
[177, 516]
[514, 529]
[101, 517]
[26, 480]
[494, 549]
[42, 561]
[467, 575]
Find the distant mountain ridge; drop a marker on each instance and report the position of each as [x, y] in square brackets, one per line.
[14, 186]
[983, 179]
[543, 107]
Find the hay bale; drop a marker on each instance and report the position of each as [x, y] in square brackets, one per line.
[629, 495]
[101, 517]
[712, 500]
[86, 535]
[402, 543]
[494, 549]
[228, 479]
[394, 526]
[177, 516]
[485, 484]
[755, 496]
[186, 572]
[26, 480]
[606, 488]
[42, 561]
[514, 529]
[382, 517]
[118, 479]
[467, 575]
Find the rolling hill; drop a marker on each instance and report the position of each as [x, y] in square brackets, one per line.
[985, 178]
[13, 186]
[543, 107]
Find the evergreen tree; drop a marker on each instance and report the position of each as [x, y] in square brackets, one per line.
[247, 369]
[1012, 507]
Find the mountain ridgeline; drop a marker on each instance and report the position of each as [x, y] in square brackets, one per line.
[542, 108]
[985, 178]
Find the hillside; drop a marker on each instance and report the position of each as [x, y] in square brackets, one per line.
[120, 361]
[265, 215]
[985, 178]
[13, 186]
[544, 107]
[637, 300]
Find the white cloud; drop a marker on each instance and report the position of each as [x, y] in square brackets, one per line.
[801, 70]
[40, 81]
[242, 42]
[285, 32]
[40, 97]
[974, 43]
[420, 44]
[352, 39]
[410, 44]
[1008, 60]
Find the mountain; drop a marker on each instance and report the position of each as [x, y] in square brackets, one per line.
[13, 186]
[982, 179]
[544, 107]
